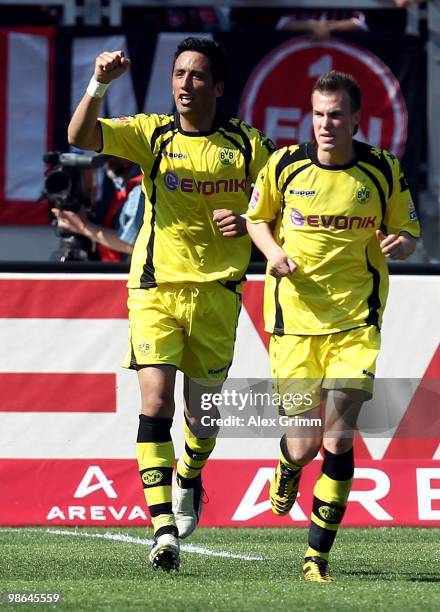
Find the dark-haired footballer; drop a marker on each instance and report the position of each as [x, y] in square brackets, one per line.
[339, 208]
[187, 267]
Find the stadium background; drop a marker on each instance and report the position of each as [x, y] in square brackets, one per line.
[64, 332]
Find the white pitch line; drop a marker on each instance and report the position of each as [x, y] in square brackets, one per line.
[120, 537]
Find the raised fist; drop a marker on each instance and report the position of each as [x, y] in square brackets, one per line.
[110, 65]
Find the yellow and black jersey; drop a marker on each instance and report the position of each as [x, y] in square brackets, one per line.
[188, 175]
[326, 220]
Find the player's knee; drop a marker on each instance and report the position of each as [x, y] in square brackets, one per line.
[159, 406]
[304, 454]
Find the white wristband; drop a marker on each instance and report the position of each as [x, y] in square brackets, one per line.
[95, 89]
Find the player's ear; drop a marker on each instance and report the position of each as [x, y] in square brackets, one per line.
[356, 121]
[219, 89]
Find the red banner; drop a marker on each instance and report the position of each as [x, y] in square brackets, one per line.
[109, 492]
[55, 392]
[70, 411]
[27, 95]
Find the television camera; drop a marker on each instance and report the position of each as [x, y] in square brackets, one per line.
[68, 186]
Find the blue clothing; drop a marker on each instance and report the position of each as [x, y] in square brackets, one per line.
[131, 216]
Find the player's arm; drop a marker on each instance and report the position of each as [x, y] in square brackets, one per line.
[84, 131]
[229, 223]
[321, 28]
[264, 209]
[395, 246]
[345, 25]
[109, 238]
[293, 24]
[279, 263]
[401, 221]
[79, 223]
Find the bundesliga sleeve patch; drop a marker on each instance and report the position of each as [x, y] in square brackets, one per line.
[254, 199]
[123, 118]
[412, 211]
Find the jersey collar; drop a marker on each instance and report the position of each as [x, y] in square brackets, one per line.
[218, 121]
[312, 154]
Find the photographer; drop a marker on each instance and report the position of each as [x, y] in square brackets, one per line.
[123, 218]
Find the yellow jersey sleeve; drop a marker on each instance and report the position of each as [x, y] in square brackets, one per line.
[265, 202]
[128, 137]
[400, 215]
[262, 149]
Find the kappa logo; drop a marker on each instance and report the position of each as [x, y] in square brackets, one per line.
[152, 477]
[330, 513]
[363, 195]
[176, 155]
[227, 156]
[302, 193]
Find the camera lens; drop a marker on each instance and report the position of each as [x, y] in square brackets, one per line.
[58, 183]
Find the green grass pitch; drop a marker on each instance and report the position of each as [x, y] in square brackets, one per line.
[375, 569]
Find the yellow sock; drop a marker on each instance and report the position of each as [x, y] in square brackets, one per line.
[196, 454]
[284, 457]
[155, 456]
[330, 496]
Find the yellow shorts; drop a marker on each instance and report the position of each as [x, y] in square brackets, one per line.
[303, 365]
[191, 326]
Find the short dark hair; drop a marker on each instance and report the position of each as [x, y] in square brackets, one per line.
[339, 81]
[210, 49]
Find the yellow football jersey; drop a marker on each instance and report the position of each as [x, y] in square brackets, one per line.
[326, 219]
[187, 175]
